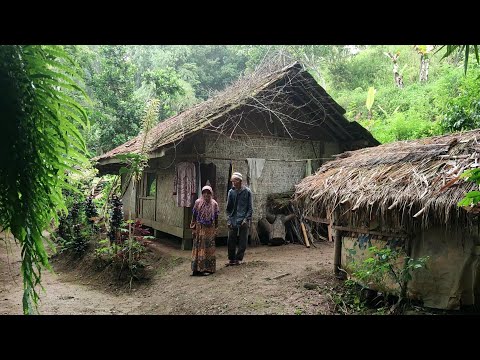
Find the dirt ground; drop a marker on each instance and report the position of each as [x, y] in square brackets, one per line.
[288, 279]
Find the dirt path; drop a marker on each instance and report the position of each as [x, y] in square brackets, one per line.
[271, 281]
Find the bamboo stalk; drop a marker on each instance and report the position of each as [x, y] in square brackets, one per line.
[307, 243]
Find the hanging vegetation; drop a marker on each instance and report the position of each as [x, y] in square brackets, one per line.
[40, 146]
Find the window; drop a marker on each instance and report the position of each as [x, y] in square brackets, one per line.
[151, 188]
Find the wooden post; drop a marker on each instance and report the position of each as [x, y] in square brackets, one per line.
[329, 227]
[187, 239]
[337, 238]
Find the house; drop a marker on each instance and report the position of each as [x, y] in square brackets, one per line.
[404, 195]
[274, 126]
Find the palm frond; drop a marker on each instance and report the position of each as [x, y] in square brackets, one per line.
[460, 49]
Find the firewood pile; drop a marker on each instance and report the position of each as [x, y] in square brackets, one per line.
[284, 224]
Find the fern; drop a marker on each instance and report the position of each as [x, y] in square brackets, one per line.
[40, 146]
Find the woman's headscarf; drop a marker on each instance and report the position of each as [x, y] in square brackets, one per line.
[205, 212]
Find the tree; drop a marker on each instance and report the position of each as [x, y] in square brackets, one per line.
[40, 147]
[121, 80]
[117, 115]
[163, 84]
[396, 75]
[424, 51]
[217, 66]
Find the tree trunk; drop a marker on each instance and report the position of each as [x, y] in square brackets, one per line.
[398, 80]
[396, 75]
[424, 63]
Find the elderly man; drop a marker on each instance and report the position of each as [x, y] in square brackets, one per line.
[239, 216]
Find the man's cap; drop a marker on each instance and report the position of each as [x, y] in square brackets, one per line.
[237, 175]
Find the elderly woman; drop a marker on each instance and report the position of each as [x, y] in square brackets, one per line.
[204, 226]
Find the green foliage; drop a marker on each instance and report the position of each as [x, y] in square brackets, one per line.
[369, 67]
[164, 84]
[135, 164]
[384, 264]
[127, 254]
[401, 127]
[204, 68]
[74, 233]
[445, 103]
[127, 251]
[116, 113]
[472, 198]
[370, 98]
[348, 300]
[76, 228]
[463, 111]
[214, 66]
[109, 186]
[466, 50]
[298, 312]
[120, 80]
[41, 143]
[104, 250]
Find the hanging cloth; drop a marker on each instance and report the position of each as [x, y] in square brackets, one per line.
[308, 169]
[185, 184]
[255, 168]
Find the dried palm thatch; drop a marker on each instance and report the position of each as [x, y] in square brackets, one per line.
[403, 185]
[288, 94]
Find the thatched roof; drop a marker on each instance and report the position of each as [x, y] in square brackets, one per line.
[258, 91]
[406, 184]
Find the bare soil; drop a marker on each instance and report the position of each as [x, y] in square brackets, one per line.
[288, 279]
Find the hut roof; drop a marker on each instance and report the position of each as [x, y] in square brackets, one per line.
[262, 84]
[416, 180]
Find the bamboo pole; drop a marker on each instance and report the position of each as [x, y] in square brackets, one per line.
[305, 236]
